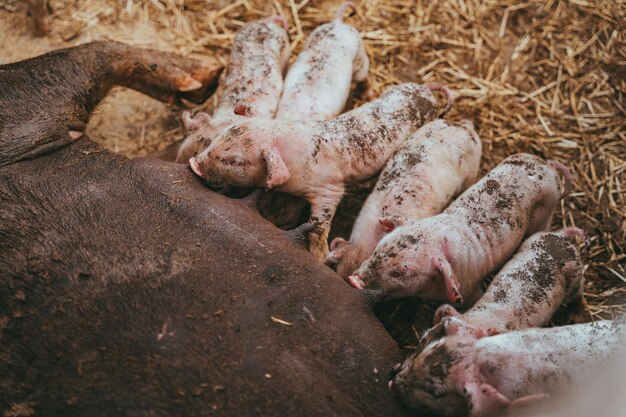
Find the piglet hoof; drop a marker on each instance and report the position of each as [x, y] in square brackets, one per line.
[356, 282]
[390, 386]
[300, 234]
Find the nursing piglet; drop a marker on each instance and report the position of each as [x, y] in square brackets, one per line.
[316, 160]
[317, 88]
[445, 257]
[432, 167]
[252, 86]
[545, 273]
[318, 82]
[464, 376]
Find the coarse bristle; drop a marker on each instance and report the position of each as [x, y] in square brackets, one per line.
[547, 77]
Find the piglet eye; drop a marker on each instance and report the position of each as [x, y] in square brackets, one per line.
[235, 160]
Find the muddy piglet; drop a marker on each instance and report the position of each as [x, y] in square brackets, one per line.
[433, 166]
[317, 88]
[545, 273]
[445, 257]
[318, 82]
[316, 160]
[252, 85]
[464, 376]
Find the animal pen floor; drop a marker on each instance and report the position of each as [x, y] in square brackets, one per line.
[540, 76]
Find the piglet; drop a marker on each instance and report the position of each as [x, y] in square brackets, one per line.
[252, 86]
[546, 272]
[445, 257]
[464, 376]
[316, 159]
[316, 88]
[318, 82]
[433, 166]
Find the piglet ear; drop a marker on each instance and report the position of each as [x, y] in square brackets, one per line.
[484, 400]
[453, 286]
[195, 122]
[337, 243]
[391, 222]
[244, 109]
[277, 171]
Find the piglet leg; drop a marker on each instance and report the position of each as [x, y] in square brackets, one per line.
[322, 213]
[59, 90]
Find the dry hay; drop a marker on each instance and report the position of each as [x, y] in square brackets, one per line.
[546, 77]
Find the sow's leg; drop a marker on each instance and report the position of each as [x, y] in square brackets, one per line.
[45, 102]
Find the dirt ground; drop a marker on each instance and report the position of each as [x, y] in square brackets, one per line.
[547, 77]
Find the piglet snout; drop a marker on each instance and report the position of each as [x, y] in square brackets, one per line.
[356, 281]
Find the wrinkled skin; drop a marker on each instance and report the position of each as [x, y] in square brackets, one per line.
[315, 160]
[431, 168]
[464, 376]
[252, 85]
[318, 82]
[445, 257]
[127, 288]
[546, 272]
